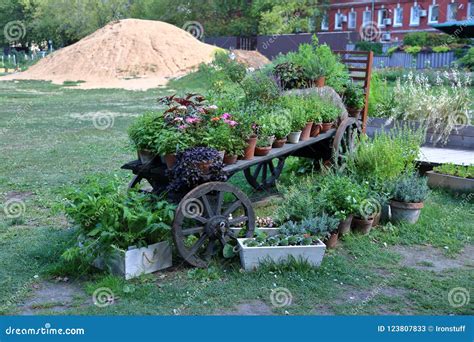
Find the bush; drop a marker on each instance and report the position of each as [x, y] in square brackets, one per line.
[381, 97]
[410, 188]
[415, 39]
[413, 50]
[260, 88]
[441, 48]
[375, 47]
[468, 60]
[145, 131]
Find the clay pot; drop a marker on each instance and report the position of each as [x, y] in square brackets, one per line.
[326, 126]
[170, 160]
[331, 242]
[315, 130]
[305, 133]
[294, 137]
[279, 143]
[405, 212]
[354, 112]
[320, 81]
[221, 155]
[362, 225]
[345, 225]
[271, 140]
[229, 160]
[262, 151]
[376, 219]
[250, 149]
[146, 156]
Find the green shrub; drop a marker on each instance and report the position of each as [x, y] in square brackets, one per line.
[468, 60]
[415, 39]
[375, 47]
[381, 97]
[354, 96]
[392, 50]
[329, 112]
[413, 50]
[455, 170]
[231, 68]
[441, 48]
[410, 188]
[260, 88]
[298, 201]
[145, 131]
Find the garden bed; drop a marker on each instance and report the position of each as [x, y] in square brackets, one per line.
[454, 183]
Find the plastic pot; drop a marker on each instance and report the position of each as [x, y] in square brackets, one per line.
[405, 212]
[294, 137]
[279, 143]
[305, 133]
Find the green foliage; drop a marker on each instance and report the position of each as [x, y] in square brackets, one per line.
[274, 122]
[354, 96]
[413, 50]
[319, 226]
[296, 109]
[415, 39]
[441, 48]
[145, 131]
[365, 45]
[381, 97]
[109, 218]
[392, 50]
[231, 68]
[428, 39]
[290, 75]
[260, 88]
[455, 170]
[329, 112]
[410, 188]
[298, 201]
[468, 60]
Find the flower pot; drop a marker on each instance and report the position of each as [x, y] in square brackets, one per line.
[271, 140]
[405, 212]
[250, 149]
[146, 156]
[204, 166]
[305, 133]
[262, 151]
[362, 225]
[326, 126]
[376, 221]
[137, 261]
[354, 112]
[229, 160]
[251, 257]
[170, 160]
[221, 155]
[294, 137]
[331, 241]
[279, 143]
[315, 130]
[345, 225]
[320, 82]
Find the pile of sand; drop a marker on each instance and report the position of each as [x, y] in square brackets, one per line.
[130, 54]
[252, 59]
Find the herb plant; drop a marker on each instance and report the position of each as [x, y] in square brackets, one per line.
[410, 188]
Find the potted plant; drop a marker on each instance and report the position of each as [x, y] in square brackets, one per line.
[317, 126]
[233, 147]
[127, 232]
[246, 131]
[408, 196]
[280, 127]
[172, 141]
[354, 99]
[264, 145]
[458, 178]
[144, 133]
[329, 114]
[298, 122]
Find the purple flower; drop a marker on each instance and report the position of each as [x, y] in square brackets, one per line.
[226, 116]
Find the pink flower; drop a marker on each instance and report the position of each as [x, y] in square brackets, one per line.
[226, 116]
[232, 123]
[177, 119]
[192, 120]
[182, 127]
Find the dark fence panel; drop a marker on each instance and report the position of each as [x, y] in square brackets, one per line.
[222, 42]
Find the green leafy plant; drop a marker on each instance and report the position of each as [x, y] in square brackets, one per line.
[278, 123]
[172, 141]
[413, 50]
[455, 170]
[329, 112]
[296, 108]
[468, 60]
[354, 96]
[145, 132]
[375, 47]
[441, 48]
[291, 76]
[298, 201]
[410, 188]
[231, 68]
[259, 87]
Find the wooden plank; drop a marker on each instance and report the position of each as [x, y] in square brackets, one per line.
[355, 61]
[434, 155]
[364, 70]
[286, 150]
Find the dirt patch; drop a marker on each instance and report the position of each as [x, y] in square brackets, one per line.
[254, 308]
[252, 59]
[433, 259]
[20, 195]
[54, 297]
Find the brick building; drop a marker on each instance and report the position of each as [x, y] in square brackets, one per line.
[390, 20]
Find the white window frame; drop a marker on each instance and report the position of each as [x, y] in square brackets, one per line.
[325, 22]
[364, 21]
[380, 17]
[412, 11]
[449, 12]
[395, 16]
[470, 8]
[430, 13]
[338, 16]
[352, 24]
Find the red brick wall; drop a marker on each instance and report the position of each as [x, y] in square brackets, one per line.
[397, 33]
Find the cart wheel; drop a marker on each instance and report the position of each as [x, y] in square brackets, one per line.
[265, 174]
[345, 140]
[204, 217]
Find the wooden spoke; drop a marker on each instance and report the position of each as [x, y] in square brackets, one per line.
[265, 174]
[214, 228]
[345, 139]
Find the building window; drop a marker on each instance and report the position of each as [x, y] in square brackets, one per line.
[338, 21]
[352, 23]
[433, 15]
[470, 9]
[325, 22]
[383, 14]
[366, 18]
[452, 12]
[398, 16]
[415, 15]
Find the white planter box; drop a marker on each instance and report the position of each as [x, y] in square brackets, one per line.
[268, 231]
[251, 257]
[138, 261]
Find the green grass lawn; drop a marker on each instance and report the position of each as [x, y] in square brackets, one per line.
[48, 140]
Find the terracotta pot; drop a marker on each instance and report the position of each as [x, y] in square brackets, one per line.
[204, 166]
[294, 137]
[345, 225]
[320, 81]
[262, 151]
[326, 126]
[354, 112]
[279, 143]
[376, 222]
[315, 130]
[362, 225]
[146, 156]
[250, 149]
[271, 140]
[305, 133]
[331, 242]
[221, 155]
[170, 160]
[405, 212]
[229, 160]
